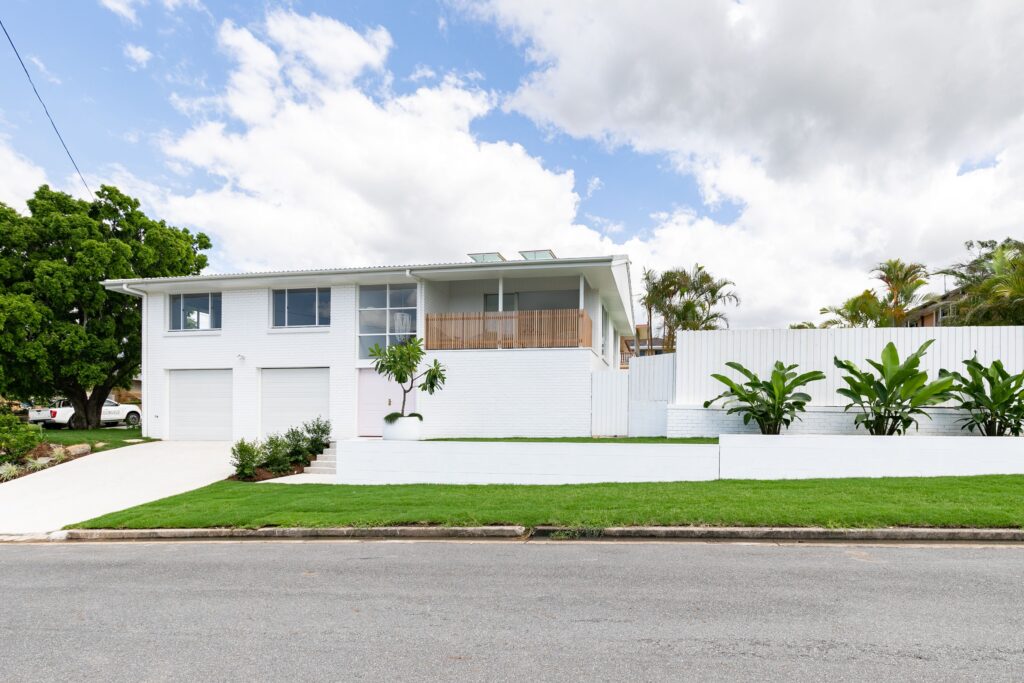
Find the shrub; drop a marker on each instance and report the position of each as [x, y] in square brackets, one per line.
[773, 403]
[275, 454]
[297, 445]
[8, 471]
[890, 403]
[246, 456]
[36, 465]
[992, 397]
[17, 438]
[318, 435]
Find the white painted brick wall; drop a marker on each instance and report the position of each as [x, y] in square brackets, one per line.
[698, 421]
[521, 392]
[245, 344]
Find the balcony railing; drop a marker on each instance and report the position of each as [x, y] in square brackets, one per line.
[556, 329]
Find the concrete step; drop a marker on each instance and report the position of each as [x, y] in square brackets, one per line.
[326, 458]
[320, 469]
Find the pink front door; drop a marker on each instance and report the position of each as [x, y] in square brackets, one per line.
[377, 398]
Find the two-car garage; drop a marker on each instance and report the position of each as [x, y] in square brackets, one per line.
[201, 401]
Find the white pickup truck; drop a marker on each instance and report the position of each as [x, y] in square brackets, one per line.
[59, 414]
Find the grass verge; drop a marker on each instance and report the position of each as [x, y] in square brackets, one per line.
[983, 502]
[110, 437]
[590, 439]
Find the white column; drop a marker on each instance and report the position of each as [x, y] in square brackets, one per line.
[582, 304]
[501, 294]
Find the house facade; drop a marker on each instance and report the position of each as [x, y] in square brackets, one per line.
[242, 356]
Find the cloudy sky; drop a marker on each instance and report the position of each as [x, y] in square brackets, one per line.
[788, 146]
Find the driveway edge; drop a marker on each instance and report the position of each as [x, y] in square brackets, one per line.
[797, 534]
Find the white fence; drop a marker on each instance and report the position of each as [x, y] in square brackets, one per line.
[652, 383]
[698, 354]
[609, 415]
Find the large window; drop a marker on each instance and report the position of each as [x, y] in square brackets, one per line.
[195, 311]
[302, 307]
[387, 315]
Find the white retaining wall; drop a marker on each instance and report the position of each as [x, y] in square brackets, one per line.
[610, 403]
[827, 456]
[505, 462]
[364, 461]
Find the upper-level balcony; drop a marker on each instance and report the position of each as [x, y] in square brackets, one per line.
[540, 329]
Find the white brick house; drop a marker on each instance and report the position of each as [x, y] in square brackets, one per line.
[233, 356]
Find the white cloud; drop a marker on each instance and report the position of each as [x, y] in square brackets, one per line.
[46, 73]
[19, 177]
[315, 170]
[138, 54]
[124, 8]
[838, 127]
[593, 185]
[422, 72]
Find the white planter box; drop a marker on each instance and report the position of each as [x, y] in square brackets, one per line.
[809, 456]
[510, 462]
[402, 429]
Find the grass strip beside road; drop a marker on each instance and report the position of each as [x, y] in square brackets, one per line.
[111, 437]
[954, 502]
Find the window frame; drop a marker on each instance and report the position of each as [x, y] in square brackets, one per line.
[388, 334]
[181, 312]
[317, 324]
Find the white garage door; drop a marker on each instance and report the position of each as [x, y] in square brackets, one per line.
[200, 402]
[291, 396]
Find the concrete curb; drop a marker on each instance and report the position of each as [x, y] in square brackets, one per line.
[429, 532]
[695, 533]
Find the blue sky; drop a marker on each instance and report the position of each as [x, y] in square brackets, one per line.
[824, 137]
[110, 109]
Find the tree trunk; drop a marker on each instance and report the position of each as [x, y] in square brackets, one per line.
[79, 401]
[94, 407]
[650, 333]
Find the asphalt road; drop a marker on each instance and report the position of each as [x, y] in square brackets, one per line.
[287, 611]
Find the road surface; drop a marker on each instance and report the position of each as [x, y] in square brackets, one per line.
[496, 611]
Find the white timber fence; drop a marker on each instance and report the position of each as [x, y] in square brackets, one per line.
[609, 414]
[699, 354]
[652, 387]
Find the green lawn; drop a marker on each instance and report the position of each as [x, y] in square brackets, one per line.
[988, 501]
[110, 437]
[590, 439]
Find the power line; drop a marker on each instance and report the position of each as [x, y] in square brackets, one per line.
[39, 97]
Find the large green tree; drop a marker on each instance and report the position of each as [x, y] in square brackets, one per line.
[61, 332]
[992, 284]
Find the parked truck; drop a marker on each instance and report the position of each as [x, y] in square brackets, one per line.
[59, 414]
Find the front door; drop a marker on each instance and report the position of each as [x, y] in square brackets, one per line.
[377, 398]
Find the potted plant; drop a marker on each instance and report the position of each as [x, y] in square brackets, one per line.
[773, 403]
[401, 363]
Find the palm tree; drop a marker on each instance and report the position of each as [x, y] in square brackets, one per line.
[863, 310]
[652, 299]
[999, 297]
[902, 282]
[691, 301]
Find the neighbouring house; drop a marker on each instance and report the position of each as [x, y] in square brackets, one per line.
[643, 344]
[935, 312]
[245, 355]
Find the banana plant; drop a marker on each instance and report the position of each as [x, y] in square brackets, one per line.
[890, 402]
[773, 403]
[992, 397]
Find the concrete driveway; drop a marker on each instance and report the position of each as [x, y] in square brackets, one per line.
[111, 480]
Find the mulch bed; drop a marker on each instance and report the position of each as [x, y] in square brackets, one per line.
[262, 474]
[45, 450]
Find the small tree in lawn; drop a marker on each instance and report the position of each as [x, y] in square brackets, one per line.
[401, 363]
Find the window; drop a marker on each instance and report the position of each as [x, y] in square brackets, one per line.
[301, 307]
[509, 302]
[195, 311]
[387, 315]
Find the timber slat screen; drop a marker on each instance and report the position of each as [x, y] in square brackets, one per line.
[556, 329]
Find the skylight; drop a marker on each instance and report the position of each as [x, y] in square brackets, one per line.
[487, 257]
[538, 255]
